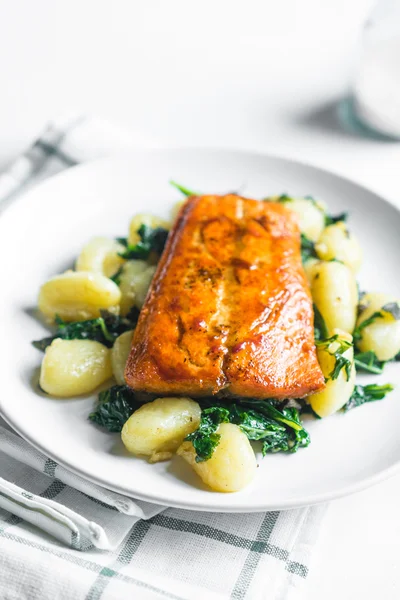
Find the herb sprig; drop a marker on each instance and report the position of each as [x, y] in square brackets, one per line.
[184, 190]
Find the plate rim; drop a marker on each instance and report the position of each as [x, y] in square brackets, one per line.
[193, 505]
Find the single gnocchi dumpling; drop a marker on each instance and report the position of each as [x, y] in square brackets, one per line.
[134, 283]
[101, 255]
[74, 367]
[233, 464]
[339, 382]
[144, 219]
[158, 428]
[334, 292]
[336, 242]
[78, 295]
[311, 214]
[119, 355]
[378, 325]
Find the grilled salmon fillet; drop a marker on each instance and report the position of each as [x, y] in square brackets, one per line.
[229, 311]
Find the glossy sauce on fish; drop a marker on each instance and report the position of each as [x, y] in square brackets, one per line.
[229, 311]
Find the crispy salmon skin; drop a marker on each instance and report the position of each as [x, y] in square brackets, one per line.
[229, 310]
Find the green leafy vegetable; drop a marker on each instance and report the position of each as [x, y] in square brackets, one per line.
[105, 329]
[307, 409]
[368, 361]
[254, 424]
[320, 328]
[205, 439]
[307, 248]
[279, 430]
[292, 440]
[151, 240]
[114, 408]
[116, 278]
[367, 393]
[331, 219]
[357, 333]
[284, 198]
[393, 309]
[185, 191]
[341, 362]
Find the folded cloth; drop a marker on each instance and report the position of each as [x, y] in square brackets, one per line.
[66, 538]
[78, 513]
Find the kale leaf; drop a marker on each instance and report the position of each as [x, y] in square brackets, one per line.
[307, 248]
[331, 219]
[294, 438]
[283, 198]
[253, 423]
[341, 362]
[114, 407]
[279, 430]
[320, 328]
[151, 240]
[185, 191]
[368, 361]
[205, 439]
[116, 278]
[367, 393]
[105, 329]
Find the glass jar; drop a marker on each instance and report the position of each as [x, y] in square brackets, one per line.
[376, 87]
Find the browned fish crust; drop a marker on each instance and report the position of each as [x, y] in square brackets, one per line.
[229, 310]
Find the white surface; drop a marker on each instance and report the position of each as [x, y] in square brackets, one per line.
[113, 189]
[262, 75]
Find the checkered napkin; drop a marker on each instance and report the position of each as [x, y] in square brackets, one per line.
[62, 537]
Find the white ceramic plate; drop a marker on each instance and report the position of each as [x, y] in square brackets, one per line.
[42, 233]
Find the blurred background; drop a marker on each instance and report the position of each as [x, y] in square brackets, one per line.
[256, 74]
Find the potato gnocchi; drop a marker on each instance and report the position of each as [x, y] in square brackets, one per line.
[101, 255]
[378, 328]
[337, 243]
[95, 310]
[158, 428]
[232, 465]
[135, 281]
[78, 295]
[74, 367]
[339, 386]
[334, 291]
[119, 355]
